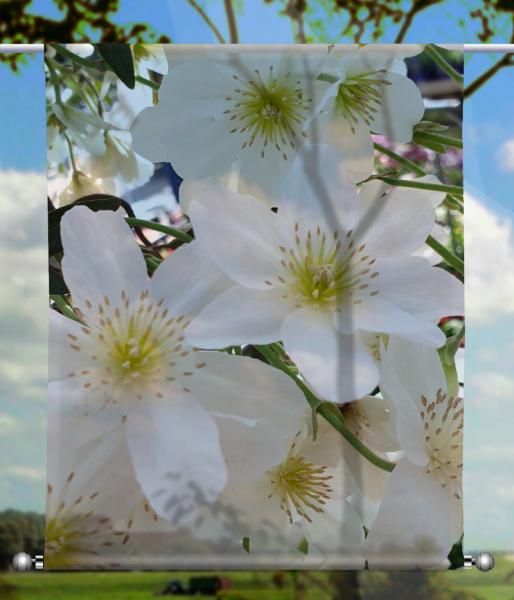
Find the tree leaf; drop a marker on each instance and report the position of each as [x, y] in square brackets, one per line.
[119, 59]
[246, 544]
[456, 556]
[56, 284]
[430, 126]
[303, 546]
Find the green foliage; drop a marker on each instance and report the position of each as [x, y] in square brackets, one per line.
[119, 59]
[20, 532]
[82, 21]
[393, 585]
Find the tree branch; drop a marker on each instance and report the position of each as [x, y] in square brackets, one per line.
[210, 23]
[505, 61]
[232, 23]
[417, 7]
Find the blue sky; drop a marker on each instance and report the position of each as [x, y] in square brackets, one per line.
[23, 145]
[260, 23]
[489, 386]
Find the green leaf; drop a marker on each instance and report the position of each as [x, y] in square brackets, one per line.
[430, 126]
[328, 77]
[439, 148]
[119, 59]
[246, 544]
[56, 284]
[173, 231]
[303, 546]
[456, 556]
[424, 137]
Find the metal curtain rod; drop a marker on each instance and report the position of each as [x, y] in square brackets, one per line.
[482, 48]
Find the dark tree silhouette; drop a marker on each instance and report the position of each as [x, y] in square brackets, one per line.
[20, 532]
[18, 25]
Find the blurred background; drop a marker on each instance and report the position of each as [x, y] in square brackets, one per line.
[489, 165]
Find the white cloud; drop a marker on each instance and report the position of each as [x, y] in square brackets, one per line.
[493, 385]
[23, 472]
[23, 343]
[24, 298]
[506, 492]
[8, 424]
[489, 248]
[506, 155]
[490, 454]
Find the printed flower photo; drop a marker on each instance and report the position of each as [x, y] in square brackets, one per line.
[256, 307]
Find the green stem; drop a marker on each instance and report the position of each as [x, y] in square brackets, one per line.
[436, 55]
[151, 84]
[173, 231]
[449, 257]
[327, 410]
[90, 64]
[400, 159]
[54, 79]
[436, 187]
[72, 154]
[437, 138]
[208, 20]
[454, 203]
[64, 307]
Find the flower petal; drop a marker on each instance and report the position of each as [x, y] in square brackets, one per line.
[354, 59]
[389, 120]
[353, 141]
[417, 288]
[64, 334]
[255, 404]
[338, 531]
[373, 415]
[338, 367]
[240, 234]
[417, 524]
[101, 258]
[246, 388]
[316, 190]
[239, 316]
[378, 315]
[175, 449]
[417, 369]
[395, 224]
[188, 280]
[409, 372]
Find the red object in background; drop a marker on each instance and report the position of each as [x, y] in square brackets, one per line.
[454, 318]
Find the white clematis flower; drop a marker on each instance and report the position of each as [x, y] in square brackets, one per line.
[97, 514]
[325, 268]
[373, 189]
[299, 492]
[420, 517]
[373, 95]
[221, 109]
[370, 420]
[92, 503]
[129, 362]
[120, 160]
[82, 50]
[65, 191]
[84, 128]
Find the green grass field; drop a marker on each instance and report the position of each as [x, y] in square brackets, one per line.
[495, 585]
[498, 584]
